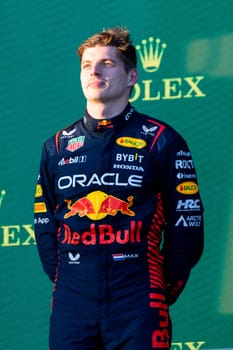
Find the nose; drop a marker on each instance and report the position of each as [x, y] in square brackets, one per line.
[96, 68]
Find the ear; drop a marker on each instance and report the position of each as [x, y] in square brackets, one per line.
[132, 77]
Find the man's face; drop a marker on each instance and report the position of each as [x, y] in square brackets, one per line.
[103, 75]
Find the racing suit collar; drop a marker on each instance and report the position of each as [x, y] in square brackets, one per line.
[102, 124]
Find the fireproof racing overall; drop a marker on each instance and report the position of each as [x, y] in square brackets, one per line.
[119, 226]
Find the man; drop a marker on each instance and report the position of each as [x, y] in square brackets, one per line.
[118, 216]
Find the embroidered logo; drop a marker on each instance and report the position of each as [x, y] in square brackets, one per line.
[75, 143]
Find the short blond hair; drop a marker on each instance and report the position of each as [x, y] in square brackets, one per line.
[117, 37]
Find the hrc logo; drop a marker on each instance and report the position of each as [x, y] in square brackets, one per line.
[150, 53]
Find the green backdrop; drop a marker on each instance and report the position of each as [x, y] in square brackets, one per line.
[189, 85]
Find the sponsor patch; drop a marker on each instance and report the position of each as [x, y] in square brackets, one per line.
[40, 207]
[189, 221]
[131, 142]
[39, 191]
[75, 143]
[74, 259]
[122, 257]
[187, 187]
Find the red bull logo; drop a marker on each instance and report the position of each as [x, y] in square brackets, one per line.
[82, 207]
[97, 205]
[103, 234]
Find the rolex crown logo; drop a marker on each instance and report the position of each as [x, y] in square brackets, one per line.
[2, 194]
[150, 53]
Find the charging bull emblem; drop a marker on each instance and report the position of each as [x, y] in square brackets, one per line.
[97, 205]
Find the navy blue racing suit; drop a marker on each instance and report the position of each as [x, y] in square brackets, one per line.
[119, 226]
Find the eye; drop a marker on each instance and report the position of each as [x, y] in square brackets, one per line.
[86, 65]
[108, 63]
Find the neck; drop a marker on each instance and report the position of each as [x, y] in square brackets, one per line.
[105, 111]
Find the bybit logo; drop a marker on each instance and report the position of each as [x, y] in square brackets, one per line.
[2, 194]
[151, 54]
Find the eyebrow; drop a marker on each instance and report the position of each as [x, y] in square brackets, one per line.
[101, 60]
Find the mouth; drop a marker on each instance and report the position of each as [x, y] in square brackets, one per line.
[97, 84]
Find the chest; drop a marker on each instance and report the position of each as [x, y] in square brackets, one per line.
[112, 162]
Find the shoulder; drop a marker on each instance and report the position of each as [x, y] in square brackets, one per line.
[161, 129]
[54, 143]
